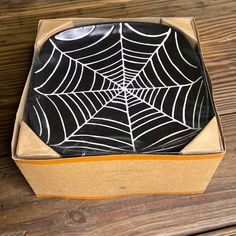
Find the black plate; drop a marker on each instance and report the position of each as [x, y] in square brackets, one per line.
[118, 88]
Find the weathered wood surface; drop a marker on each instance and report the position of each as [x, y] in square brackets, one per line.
[213, 212]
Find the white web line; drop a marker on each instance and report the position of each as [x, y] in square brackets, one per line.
[114, 69]
[109, 120]
[40, 124]
[115, 108]
[86, 122]
[103, 59]
[79, 92]
[96, 144]
[110, 65]
[63, 53]
[59, 113]
[137, 52]
[139, 112]
[73, 114]
[80, 77]
[173, 64]
[79, 108]
[49, 77]
[163, 99]
[166, 145]
[84, 105]
[172, 118]
[141, 43]
[199, 115]
[146, 122]
[46, 120]
[94, 78]
[75, 70]
[150, 58]
[145, 117]
[129, 121]
[49, 59]
[108, 126]
[100, 52]
[195, 105]
[166, 86]
[91, 102]
[177, 45]
[166, 137]
[122, 54]
[185, 102]
[179, 138]
[142, 34]
[103, 137]
[136, 57]
[163, 67]
[174, 104]
[119, 73]
[67, 72]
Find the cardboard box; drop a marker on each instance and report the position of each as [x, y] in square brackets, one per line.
[49, 175]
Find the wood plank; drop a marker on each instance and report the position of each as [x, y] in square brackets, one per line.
[229, 231]
[22, 213]
[119, 7]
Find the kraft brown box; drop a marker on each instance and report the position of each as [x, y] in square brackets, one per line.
[115, 175]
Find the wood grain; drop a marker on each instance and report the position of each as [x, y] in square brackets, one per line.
[229, 231]
[211, 213]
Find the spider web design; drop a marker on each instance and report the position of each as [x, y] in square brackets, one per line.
[120, 91]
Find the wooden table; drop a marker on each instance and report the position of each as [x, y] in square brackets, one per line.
[211, 213]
